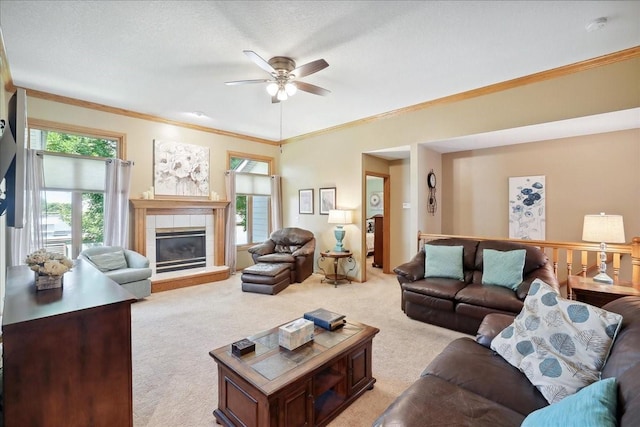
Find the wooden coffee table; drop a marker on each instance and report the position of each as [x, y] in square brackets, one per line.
[309, 386]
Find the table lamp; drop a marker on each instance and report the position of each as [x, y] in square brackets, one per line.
[339, 217]
[603, 229]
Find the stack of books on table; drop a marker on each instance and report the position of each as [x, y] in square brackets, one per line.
[325, 319]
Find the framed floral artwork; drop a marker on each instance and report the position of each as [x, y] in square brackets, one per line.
[527, 215]
[305, 201]
[327, 199]
[180, 169]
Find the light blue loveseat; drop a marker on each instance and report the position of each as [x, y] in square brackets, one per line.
[124, 266]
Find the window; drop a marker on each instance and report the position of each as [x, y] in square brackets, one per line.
[253, 197]
[74, 179]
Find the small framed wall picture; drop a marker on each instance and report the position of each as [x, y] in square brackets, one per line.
[327, 199]
[305, 201]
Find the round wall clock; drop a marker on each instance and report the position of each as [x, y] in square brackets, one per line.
[431, 180]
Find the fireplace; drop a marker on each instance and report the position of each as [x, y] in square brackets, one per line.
[180, 249]
[154, 215]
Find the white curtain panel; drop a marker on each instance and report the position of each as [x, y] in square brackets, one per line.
[276, 202]
[116, 203]
[29, 238]
[230, 224]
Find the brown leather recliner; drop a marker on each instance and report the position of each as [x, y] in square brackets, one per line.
[288, 245]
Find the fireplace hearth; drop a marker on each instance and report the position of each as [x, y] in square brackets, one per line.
[180, 249]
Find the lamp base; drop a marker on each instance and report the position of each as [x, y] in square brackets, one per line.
[603, 278]
[339, 234]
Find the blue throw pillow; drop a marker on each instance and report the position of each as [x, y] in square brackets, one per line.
[503, 268]
[443, 261]
[593, 406]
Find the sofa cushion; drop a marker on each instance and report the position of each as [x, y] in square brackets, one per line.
[534, 259]
[286, 249]
[473, 367]
[496, 297]
[432, 401]
[443, 261]
[560, 345]
[468, 253]
[594, 405]
[128, 275]
[503, 268]
[109, 260]
[436, 287]
[276, 258]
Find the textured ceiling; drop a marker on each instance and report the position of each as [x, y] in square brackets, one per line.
[170, 59]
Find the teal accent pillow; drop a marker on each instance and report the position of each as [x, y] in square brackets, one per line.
[503, 268]
[443, 261]
[109, 261]
[593, 406]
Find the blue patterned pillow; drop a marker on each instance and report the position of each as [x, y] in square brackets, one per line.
[443, 261]
[559, 344]
[503, 268]
[594, 405]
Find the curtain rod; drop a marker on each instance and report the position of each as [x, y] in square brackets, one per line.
[42, 153]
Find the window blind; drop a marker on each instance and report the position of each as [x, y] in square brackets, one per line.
[74, 173]
[247, 183]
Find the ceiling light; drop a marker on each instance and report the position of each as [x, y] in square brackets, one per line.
[272, 88]
[291, 88]
[282, 95]
[596, 24]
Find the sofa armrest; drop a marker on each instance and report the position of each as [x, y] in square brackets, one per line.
[135, 260]
[491, 326]
[412, 270]
[265, 248]
[307, 249]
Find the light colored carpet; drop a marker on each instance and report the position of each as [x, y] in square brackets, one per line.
[175, 379]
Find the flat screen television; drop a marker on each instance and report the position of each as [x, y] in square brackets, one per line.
[13, 146]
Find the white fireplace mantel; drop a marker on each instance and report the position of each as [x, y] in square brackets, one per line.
[144, 207]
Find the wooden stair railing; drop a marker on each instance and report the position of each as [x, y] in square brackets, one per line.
[559, 252]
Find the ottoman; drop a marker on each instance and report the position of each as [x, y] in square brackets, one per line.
[266, 278]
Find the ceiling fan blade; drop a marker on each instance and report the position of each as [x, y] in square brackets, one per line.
[316, 90]
[259, 61]
[310, 68]
[274, 99]
[244, 82]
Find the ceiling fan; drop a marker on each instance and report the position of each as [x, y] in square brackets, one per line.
[284, 82]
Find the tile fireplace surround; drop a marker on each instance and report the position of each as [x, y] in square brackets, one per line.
[166, 213]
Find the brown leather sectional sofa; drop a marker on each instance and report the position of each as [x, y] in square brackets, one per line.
[462, 305]
[468, 384]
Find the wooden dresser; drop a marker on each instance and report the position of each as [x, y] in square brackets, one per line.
[67, 352]
[378, 240]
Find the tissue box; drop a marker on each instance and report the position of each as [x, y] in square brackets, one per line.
[294, 334]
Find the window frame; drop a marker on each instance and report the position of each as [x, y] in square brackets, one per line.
[76, 195]
[260, 158]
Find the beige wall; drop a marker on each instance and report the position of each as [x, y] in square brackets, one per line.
[584, 175]
[334, 159]
[139, 140]
[139, 144]
[604, 89]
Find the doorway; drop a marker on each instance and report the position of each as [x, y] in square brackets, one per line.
[376, 223]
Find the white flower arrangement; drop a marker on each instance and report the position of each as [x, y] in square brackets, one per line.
[48, 263]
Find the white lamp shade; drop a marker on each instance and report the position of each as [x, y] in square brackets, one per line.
[603, 228]
[338, 216]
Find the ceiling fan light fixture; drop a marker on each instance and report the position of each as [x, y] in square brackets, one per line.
[290, 88]
[272, 88]
[282, 95]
